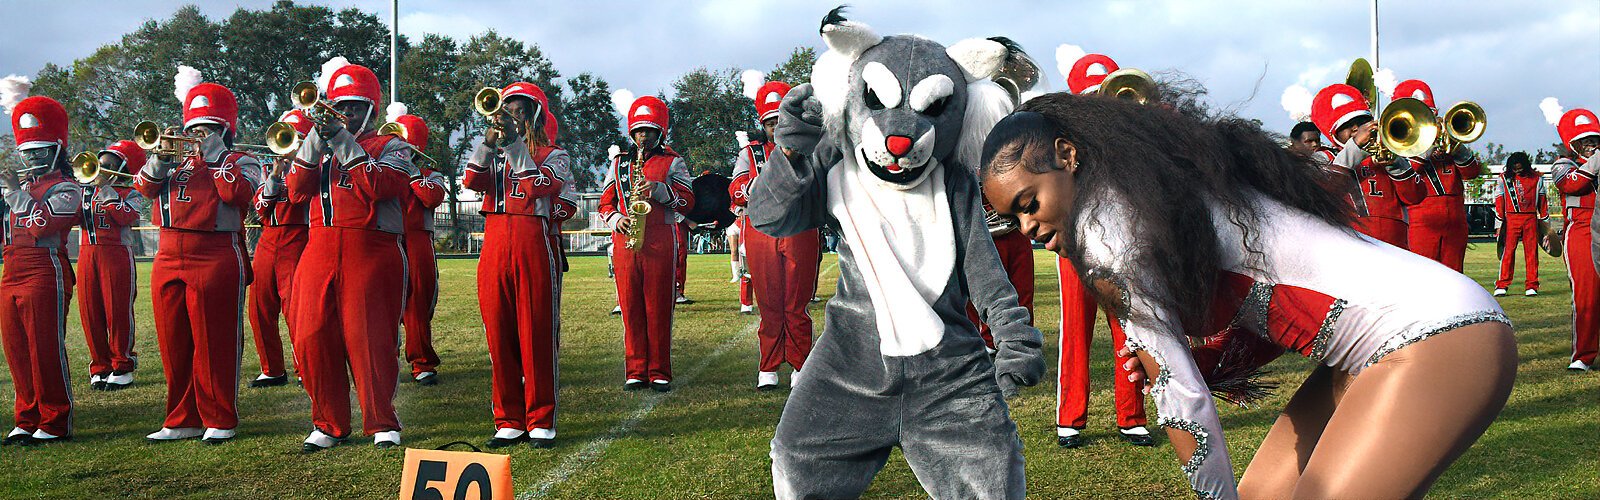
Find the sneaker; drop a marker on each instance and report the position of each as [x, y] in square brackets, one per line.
[766, 381]
[318, 441]
[97, 382]
[1531, 292]
[682, 299]
[17, 436]
[506, 437]
[41, 437]
[119, 380]
[217, 436]
[747, 310]
[1068, 437]
[1579, 366]
[661, 385]
[540, 439]
[427, 378]
[1499, 292]
[815, 299]
[616, 311]
[633, 384]
[167, 434]
[386, 439]
[264, 380]
[1137, 436]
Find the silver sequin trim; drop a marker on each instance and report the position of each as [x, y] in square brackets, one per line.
[1255, 307]
[1201, 438]
[1158, 385]
[1319, 345]
[1420, 334]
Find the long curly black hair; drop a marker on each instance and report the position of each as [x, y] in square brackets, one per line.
[1166, 159]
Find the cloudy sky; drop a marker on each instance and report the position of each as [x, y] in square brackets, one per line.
[1506, 55]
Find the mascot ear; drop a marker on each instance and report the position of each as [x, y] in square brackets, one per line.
[980, 58]
[845, 36]
[830, 75]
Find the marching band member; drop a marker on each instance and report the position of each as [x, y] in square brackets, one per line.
[1244, 237]
[1380, 199]
[1438, 228]
[36, 283]
[685, 230]
[105, 263]
[1575, 174]
[1520, 206]
[740, 262]
[349, 289]
[428, 189]
[782, 270]
[1304, 138]
[198, 280]
[651, 174]
[1078, 306]
[285, 228]
[518, 169]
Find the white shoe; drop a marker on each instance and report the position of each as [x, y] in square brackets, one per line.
[318, 441]
[616, 310]
[214, 435]
[794, 378]
[18, 431]
[171, 434]
[115, 381]
[541, 434]
[96, 379]
[1499, 292]
[1066, 432]
[509, 433]
[1135, 431]
[1531, 292]
[41, 435]
[386, 439]
[1579, 366]
[766, 380]
[744, 309]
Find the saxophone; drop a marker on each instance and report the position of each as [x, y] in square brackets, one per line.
[638, 200]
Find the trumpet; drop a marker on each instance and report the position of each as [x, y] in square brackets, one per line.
[305, 96]
[487, 102]
[1129, 83]
[163, 142]
[638, 201]
[87, 170]
[398, 129]
[1463, 123]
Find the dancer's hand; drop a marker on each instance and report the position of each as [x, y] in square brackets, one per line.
[1135, 369]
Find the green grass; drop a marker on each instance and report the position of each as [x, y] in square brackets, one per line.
[709, 438]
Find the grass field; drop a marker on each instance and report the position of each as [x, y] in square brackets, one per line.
[708, 439]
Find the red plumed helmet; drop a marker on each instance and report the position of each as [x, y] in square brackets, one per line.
[649, 111]
[1415, 89]
[769, 97]
[355, 82]
[299, 120]
[1575, 124]
[416, 131]
[1335, 105]
[1088, 72]
[39, 121]
[132, 157]
[531, 91]
[210, 103]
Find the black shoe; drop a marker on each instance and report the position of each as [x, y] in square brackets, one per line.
[19, 440]
[499, 442]
[98, 385]
[277, 381]
[1138, 439]
[767, 387]
[541, 444]
[633, 386]
[661, 387]
[384, 445]
[1070, 442]
[429, 378]
[33, 441]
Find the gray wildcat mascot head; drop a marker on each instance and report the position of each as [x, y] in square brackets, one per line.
[899, 101]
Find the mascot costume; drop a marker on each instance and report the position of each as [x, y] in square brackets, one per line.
[881, 146]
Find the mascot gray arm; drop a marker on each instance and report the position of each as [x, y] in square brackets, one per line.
[1018, 360]
[790, 195]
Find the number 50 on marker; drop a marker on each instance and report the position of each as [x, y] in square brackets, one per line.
[455, 475]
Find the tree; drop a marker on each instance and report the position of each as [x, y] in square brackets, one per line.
[797, 69]
[588, 128]
[707, 108]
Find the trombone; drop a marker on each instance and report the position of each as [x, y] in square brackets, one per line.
[86, 169]
[305, 96]
[163, 142]
[398, 129]
[1129, 83]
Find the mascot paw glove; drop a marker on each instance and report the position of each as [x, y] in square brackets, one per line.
[1017, 365]
[799, 121]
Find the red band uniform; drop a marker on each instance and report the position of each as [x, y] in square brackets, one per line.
[645, 275]
[1576, 180]
[1379, 193]
[347, 296]
[428, 189]
[105, 265]
[285, 228]
[36, 281]
[1438, 227]
[1520, 203]
[519, 270]
[201, 269]
[782, 270]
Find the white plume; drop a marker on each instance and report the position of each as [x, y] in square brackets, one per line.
[396, 109]
[622, 99]
[753, 80]
[327, 72]
[186, 78]
[1385, 80]
[743, 138]
[613, 151]
[13, 89]
[1066, 55]
[1297, 101]
[1549, 105]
